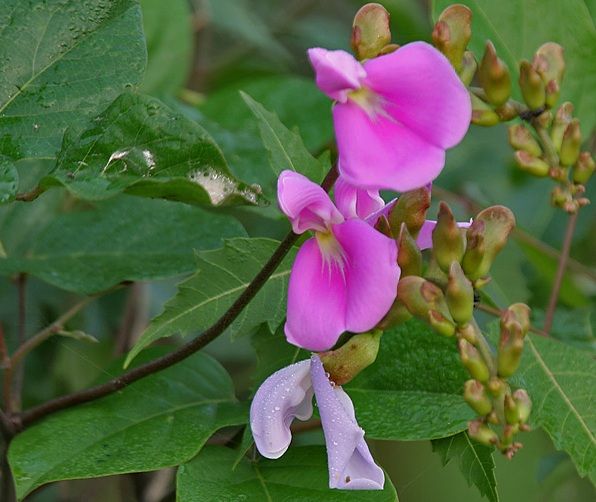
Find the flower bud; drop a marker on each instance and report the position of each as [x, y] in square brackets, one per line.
[518, 313]
[552, 92]
[357, 353]
[409, 257]
[370, 31]
[486, 236]
[562, 119]
[570, 144]
[530, 164]
[511, 345]
[550, 65]
[507, 111]
[510, 410]
[410, 208]
[494, 76]
[448, 241]
[583, 168]
[482, 433]
[545, 119]
[398, 313]
[472, 360]
[468, 68]
[559, 196]
[475, 395]
[452, 32]
[482, 114]
[388, 49]
[440, 323]
[524, 405]
[531, 85]
[520, 138]
[459, 295]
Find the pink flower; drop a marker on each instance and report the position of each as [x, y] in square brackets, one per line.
[395, 115]
[345, 277]
[286, 395]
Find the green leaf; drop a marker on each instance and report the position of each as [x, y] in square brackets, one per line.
[517, 35]
[169, 34]
[475, 462]
[414, 389]
[9, 181]
[561, 381]
[62, 62]
[222, 276]
[300, 475]
[140, 146]
[286, 148]
[127, 238]
[159, 421]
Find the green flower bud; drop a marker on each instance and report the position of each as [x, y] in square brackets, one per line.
[434, 273]
[475, 395]
[570, 144]
[545, 119]
[517, 313]
[452, 32]
[494, 76]
[583, 168]
[468, 68]
[440, 323]
[511, 345]
[531, 85]
[520, 138]
[552, 92]
[410, 208]
[448, 241]
[409, 257]
[530, 164]
[472, 360]
[486, 236]
[511, 410]
[559, 196]
[562, 119]
[459, 295]
[370, 31]
[410, 294]
[550, 65]
[398, 314]
[357, 353]
[482, 433]
[482, 114]
[524, 405]
[507, 111]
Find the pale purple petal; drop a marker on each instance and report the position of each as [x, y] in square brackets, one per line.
[371, 273]
[285, 395]
[305, 203]
[422, 91]
[425, 236]
[337, 72]
[316, 300]
[380, 152]
[355, 202]
[351, 466]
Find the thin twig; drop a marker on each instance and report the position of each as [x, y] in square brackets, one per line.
[497, 313]
[554, 294]
[29, 196]
[186, 350]
[16, 389]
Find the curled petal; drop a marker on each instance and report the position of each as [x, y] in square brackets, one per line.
[337, 72]
[422, 91]
[425, 236]
[305, 203]
[355, 202]
[285, 395]
[371, 273]
[316, 299]
[351, 466]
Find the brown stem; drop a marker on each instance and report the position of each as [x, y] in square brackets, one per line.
[554, 294]
[30, 195]
[16, 389]
[186, 350]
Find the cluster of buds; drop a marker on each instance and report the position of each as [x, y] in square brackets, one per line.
[442, 293]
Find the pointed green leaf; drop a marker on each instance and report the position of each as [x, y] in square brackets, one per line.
[286, 148]
[222, 276]
[300, 475]
[62, 62]
[160, 421]
[475, 461]
[140, 146]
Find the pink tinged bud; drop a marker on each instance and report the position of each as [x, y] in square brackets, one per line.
[459, 295]
[285, 395]
[394, 130]
[517, 313]
[482, 114]
[469, 68]
[409, 257]
[562, 119]
[511, 410]
[520, 138]
[530, 164]
[549, 62]
[494, 76]
[524, 404]
[475, 395]
[370, 31]
[409, 209]
[452, 32]
[511, 345]
[448, 241]
[570, 144]
[583, 169]
[531, 85]
[482, 433]
[472, 360]
[351, 466]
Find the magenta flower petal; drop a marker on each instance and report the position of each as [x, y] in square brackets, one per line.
[285, 395]
[316, 300]
[371, 273]
[351, 466]
[355, 202]
[380, 152]
[337, 72]
[425, 236]
[421, 90]
[305, 203]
